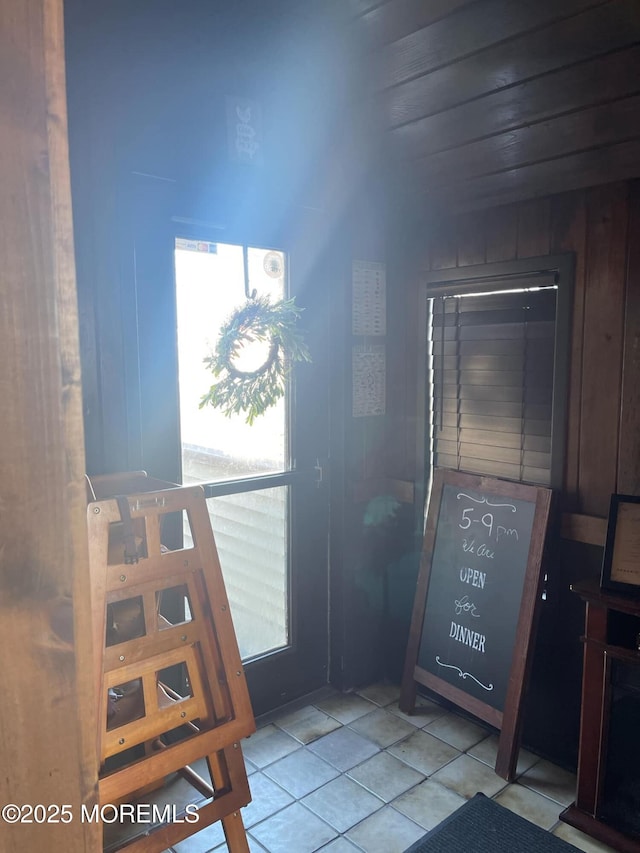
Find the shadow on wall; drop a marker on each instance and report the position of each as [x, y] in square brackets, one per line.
[552, 704]
[384, 583]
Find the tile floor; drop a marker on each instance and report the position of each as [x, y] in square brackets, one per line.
[350, 773]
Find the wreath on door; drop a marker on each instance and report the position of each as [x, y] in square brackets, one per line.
[254, 391]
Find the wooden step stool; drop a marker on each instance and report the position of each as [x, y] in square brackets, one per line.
[148, 727]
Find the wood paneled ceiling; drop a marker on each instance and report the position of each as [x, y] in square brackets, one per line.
[485, 102]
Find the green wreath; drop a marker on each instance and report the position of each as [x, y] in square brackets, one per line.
[254, 391]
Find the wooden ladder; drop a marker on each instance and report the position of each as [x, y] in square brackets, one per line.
[162, 616]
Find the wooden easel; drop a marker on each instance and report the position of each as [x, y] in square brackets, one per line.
[148, 728]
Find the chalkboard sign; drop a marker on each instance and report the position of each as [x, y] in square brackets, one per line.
[475, 606]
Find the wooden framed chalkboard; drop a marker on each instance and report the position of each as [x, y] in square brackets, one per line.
[476, 600]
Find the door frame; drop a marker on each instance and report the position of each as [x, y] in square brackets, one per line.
[154, 220]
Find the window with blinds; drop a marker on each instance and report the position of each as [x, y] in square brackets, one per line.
[493, 367]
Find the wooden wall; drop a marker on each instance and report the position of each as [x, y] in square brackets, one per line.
[601, 226]
[47, 727]
[491, 101]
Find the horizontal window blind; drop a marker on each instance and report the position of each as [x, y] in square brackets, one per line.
[492, 372]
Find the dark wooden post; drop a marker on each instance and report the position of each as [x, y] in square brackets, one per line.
[47, 714]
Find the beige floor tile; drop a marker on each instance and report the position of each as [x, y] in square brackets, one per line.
[307, 724]
[387, 831]
[342, 803]
[301, 772]
[530, 805]
[297, 825]
[340, 845]
[346, 707]
[268, 744]
[467, 776]
[580, 840]
[381, 693]
[201, 842]
[375, 792]
[456, 731]
[424, 752]
[343, 748]
[487, 752]
[428, 803]
[552, 781]
[425, 712]
[254, 847]
[267, 798]
[382, 727]
[385, 776]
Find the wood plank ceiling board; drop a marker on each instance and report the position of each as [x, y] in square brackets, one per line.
[595, 81]
[595, 127]
[489, 102]
[582, 169]
[398, 18]
[361, 7]
[597, 31]
[469, 30]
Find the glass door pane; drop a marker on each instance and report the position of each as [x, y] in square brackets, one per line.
[210, 284]
[251, 535]
[251, 525]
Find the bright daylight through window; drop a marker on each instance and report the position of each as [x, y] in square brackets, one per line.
[250, 526]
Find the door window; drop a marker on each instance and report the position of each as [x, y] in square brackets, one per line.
[210, 284]
[250, 524]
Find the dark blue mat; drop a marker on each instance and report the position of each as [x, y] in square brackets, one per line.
[482, 826]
